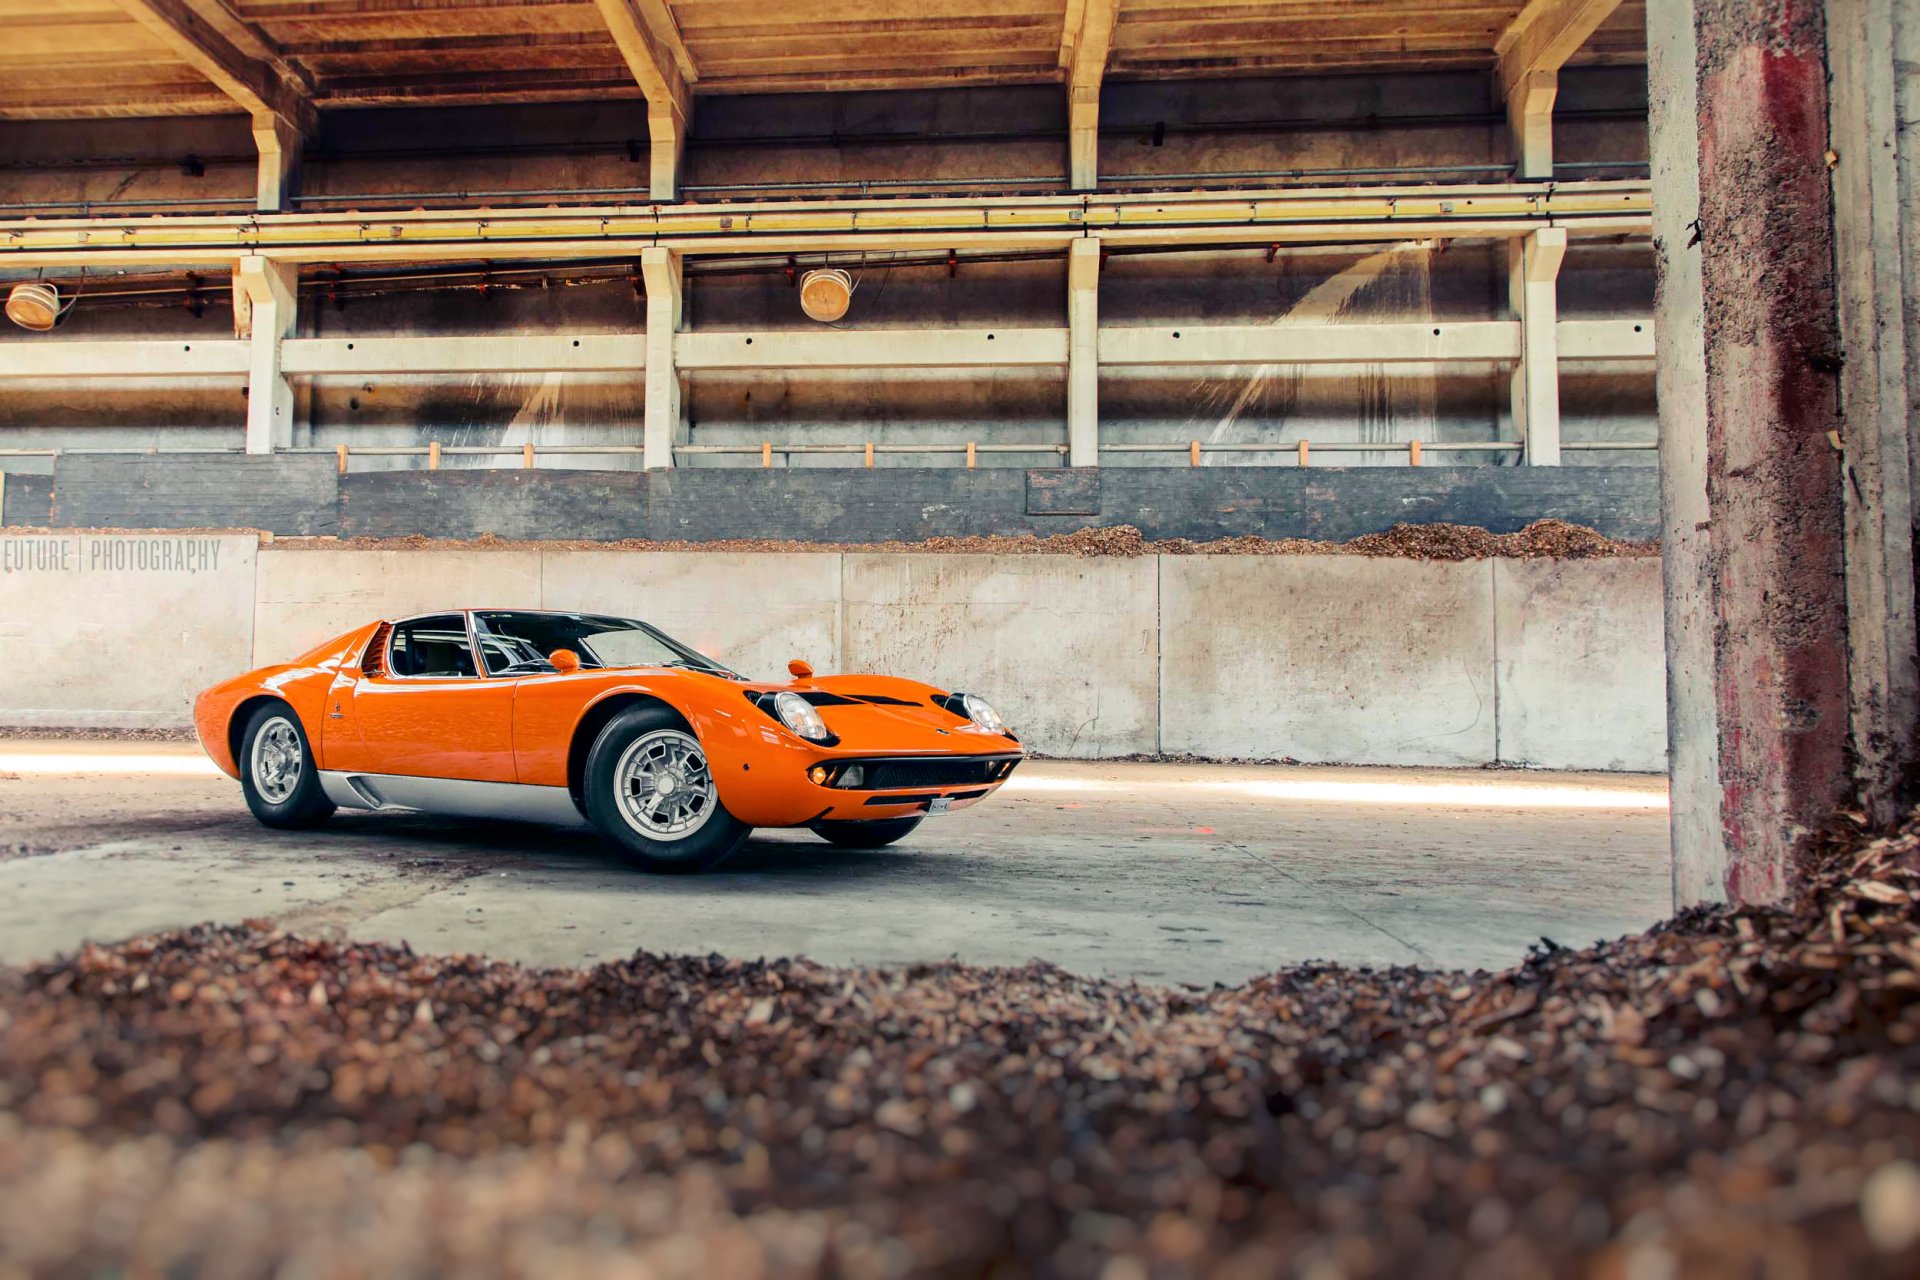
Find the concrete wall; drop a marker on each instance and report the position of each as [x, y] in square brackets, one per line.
[1340, 659]
[120, 630]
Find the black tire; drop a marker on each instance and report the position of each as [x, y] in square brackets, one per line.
[276, 800]
[865, 835]
[651, 742]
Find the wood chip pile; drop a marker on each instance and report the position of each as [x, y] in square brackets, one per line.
[1730, 1094]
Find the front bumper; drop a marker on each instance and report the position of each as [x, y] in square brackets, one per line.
[901, 786]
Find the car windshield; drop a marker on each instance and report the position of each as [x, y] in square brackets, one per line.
[515, 643]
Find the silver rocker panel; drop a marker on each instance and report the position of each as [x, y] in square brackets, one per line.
[452, 796]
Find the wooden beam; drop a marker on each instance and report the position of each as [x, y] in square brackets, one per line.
[661, 66]
[1530, 53]
[266, 88]
[1281, 215]
[1084, 46]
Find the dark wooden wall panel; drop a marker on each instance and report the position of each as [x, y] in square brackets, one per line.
[26, 501]
[289, 495]
[856, 504]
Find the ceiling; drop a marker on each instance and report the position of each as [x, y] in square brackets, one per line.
[93, 58]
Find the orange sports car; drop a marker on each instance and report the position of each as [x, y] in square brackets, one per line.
[519, 713]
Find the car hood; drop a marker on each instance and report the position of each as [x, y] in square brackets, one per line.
[886, 713]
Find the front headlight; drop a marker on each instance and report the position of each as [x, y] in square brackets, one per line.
[978, 710]
[798, 714]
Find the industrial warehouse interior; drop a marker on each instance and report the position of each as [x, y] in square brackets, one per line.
[1359, 557]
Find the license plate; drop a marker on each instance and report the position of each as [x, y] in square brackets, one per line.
[938, 805]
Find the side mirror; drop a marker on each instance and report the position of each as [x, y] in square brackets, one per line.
[800, 670]
[564, 660]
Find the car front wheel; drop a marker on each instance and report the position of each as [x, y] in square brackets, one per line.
[277, 773]
[651, 793]
[865, 835]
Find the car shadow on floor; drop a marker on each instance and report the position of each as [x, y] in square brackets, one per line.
[569, 849]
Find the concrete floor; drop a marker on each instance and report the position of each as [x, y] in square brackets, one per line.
[1162, 872]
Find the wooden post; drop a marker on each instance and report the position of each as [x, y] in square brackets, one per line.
[1303, 453]
[526, 454]
[433, 455]
[869, 453]
[766, 453]
[1193, 453]
[1413, 453]
[341, 455]
[970, 455]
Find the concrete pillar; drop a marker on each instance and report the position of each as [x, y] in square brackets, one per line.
[1083, 353]
[1693, 732]
[1083, 136]
[1533, 266]
[666, 144]
[1530, 123]
[1873, 237]
[280, 146]
[660, 270]
[266, 300]
[1756, 591]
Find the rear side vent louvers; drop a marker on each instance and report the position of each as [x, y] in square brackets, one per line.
[375, 661]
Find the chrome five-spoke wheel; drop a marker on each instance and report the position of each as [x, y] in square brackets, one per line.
[649, 787]
[276, 762]
[663, 785]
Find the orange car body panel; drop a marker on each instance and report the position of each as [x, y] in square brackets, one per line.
[522, 728]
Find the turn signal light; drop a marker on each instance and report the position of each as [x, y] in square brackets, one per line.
[817, 775]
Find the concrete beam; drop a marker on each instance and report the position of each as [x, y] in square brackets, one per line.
[272, 294]
[1084, 46]
[274, 93]
[1530, 53]
[1083, 353]
[125, 359]
[1533, 283]
[660, 269]
[650, 43]
[1877, 382]
[1478, 341]
[873, 349]
[520, 353]
[1751, 480]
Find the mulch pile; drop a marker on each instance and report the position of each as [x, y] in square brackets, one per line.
[1541, 539]
[1730, 1094]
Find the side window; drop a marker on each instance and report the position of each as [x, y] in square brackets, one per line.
[434, 646]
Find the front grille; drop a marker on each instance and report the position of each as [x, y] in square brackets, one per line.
[938, 771]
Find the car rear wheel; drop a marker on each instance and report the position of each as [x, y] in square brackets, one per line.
[865, 835]
[651, 793]
[277, 772]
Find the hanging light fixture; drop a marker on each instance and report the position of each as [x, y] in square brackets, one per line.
[826, 293]
[34, 305]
